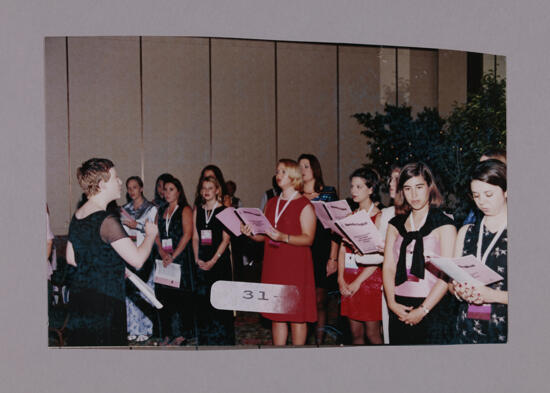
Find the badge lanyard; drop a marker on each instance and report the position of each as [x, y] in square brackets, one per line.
[491, 245]
[207, 217]
[168, 219]
[277, 214]
[483, 311]
[370, 208]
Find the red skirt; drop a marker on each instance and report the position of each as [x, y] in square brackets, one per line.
[366, 303]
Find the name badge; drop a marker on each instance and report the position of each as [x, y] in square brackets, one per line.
[167, 245]
[350, 262]
[206, 237]
[479, 312]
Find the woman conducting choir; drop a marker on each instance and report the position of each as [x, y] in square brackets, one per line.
[210, 247]
[360, 278]
[287, 254]
[324, 249]
[175, 222]
[483, 316]
[134, 215]
[98, 247]
[412, 286]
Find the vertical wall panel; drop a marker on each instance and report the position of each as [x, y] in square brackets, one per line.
[306, 97]
[492, 61]
[452, 83]
[176, 114]
[243, 114]
[57, 148]
[488, 63]
[388, 71]
[423, 79]
[403, 76]
[501, 66]
[359, 80]
[104, 104]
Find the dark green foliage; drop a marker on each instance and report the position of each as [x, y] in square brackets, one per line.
[472, 129]
[450, 147]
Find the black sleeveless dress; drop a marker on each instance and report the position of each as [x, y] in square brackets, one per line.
[97, 292]
[216, 327]
[177, 317]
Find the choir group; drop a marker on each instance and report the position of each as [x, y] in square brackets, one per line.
[394, 295]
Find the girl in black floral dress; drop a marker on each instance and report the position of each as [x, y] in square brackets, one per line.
[483, 315]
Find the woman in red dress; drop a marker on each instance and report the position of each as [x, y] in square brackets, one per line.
[287, 253]
[360, 277]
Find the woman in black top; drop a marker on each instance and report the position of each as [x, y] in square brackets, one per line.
[210, 247]
[175, 222]
[98, 247]
[324, 249]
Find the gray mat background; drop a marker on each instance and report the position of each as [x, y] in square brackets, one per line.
[517, 30]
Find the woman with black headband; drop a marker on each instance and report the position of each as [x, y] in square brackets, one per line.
[412, 285]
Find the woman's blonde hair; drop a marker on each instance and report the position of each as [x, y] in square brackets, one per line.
[213, 180]
[294, 173]
[91, 172]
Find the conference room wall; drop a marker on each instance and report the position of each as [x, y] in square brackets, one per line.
[307, 104]
[175, 104]
[176, 110]
[244, 115]
[104, 104]
[57, 141]
[452, 79]
[366, 79]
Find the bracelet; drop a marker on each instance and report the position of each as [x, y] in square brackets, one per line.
[287, 239]
[425, 309]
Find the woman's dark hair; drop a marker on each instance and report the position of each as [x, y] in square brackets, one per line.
[162, 178]
[219, 176]
[182, 200]
[491, 171]
[495, 153]
[316, 169]
[372, 180]
[139, 182]
[412, 170]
